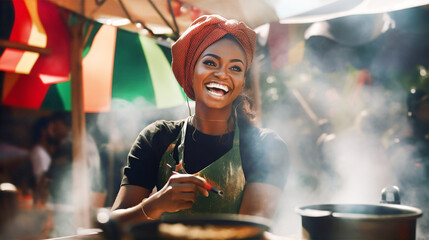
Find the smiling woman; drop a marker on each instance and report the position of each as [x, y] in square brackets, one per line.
[217, 146]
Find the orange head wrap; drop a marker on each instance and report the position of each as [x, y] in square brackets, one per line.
[203, 32]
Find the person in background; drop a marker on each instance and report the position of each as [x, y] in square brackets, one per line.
[40, 157]
[48, 133]
[58, 180]
[219, 144]
[43, 148]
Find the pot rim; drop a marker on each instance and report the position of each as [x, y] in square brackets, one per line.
[314, 211]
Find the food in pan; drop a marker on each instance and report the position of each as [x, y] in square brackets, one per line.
[208, 231]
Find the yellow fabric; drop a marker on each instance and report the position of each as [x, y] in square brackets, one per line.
[37, 38]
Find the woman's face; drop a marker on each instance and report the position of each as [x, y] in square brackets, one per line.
[219, 74]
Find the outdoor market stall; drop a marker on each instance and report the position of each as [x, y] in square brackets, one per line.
[56, 56]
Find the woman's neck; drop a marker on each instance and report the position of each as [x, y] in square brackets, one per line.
[213, 122]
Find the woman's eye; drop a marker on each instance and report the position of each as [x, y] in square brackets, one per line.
[210, 63]
[236, 68]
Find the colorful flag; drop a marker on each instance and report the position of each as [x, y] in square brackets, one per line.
[27, 29]
[28, 76]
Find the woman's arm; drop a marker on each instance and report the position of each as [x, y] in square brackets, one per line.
[134, 203]
[127, 205]
[260, 199]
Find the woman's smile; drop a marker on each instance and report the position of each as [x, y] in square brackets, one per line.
[217, 89]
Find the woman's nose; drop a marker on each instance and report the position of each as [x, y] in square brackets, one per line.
[221, 73]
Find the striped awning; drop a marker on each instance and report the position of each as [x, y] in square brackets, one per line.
[120, 68]
[27, 29]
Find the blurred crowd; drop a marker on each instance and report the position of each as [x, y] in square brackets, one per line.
[40, 184]
[36, 167]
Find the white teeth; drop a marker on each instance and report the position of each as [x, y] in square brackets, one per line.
[216, 94]
[219, 86]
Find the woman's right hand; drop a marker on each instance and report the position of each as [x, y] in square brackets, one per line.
[178, 193]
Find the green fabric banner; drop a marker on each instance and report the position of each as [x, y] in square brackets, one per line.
[131, 78]
[167, 90]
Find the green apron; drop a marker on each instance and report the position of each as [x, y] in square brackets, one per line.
[226, 174]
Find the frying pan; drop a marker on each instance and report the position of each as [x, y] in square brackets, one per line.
[208, 227]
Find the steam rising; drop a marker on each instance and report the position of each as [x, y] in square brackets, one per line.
[351, 164]
[339, 145]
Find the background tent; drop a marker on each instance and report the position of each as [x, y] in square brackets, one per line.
[55, 59]
[117, 64]
[253, 12]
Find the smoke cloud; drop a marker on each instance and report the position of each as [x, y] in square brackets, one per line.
[340, 112]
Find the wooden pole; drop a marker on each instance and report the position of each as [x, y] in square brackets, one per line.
[80, 163]
[15, 45]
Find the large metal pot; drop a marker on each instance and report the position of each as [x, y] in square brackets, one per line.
[358, 221]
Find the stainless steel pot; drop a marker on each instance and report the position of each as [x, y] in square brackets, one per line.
[358, 221]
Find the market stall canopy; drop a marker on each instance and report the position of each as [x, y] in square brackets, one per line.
[135, 15]
[325, 10]
[259, 12]
[120, 68]
[155, 14]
